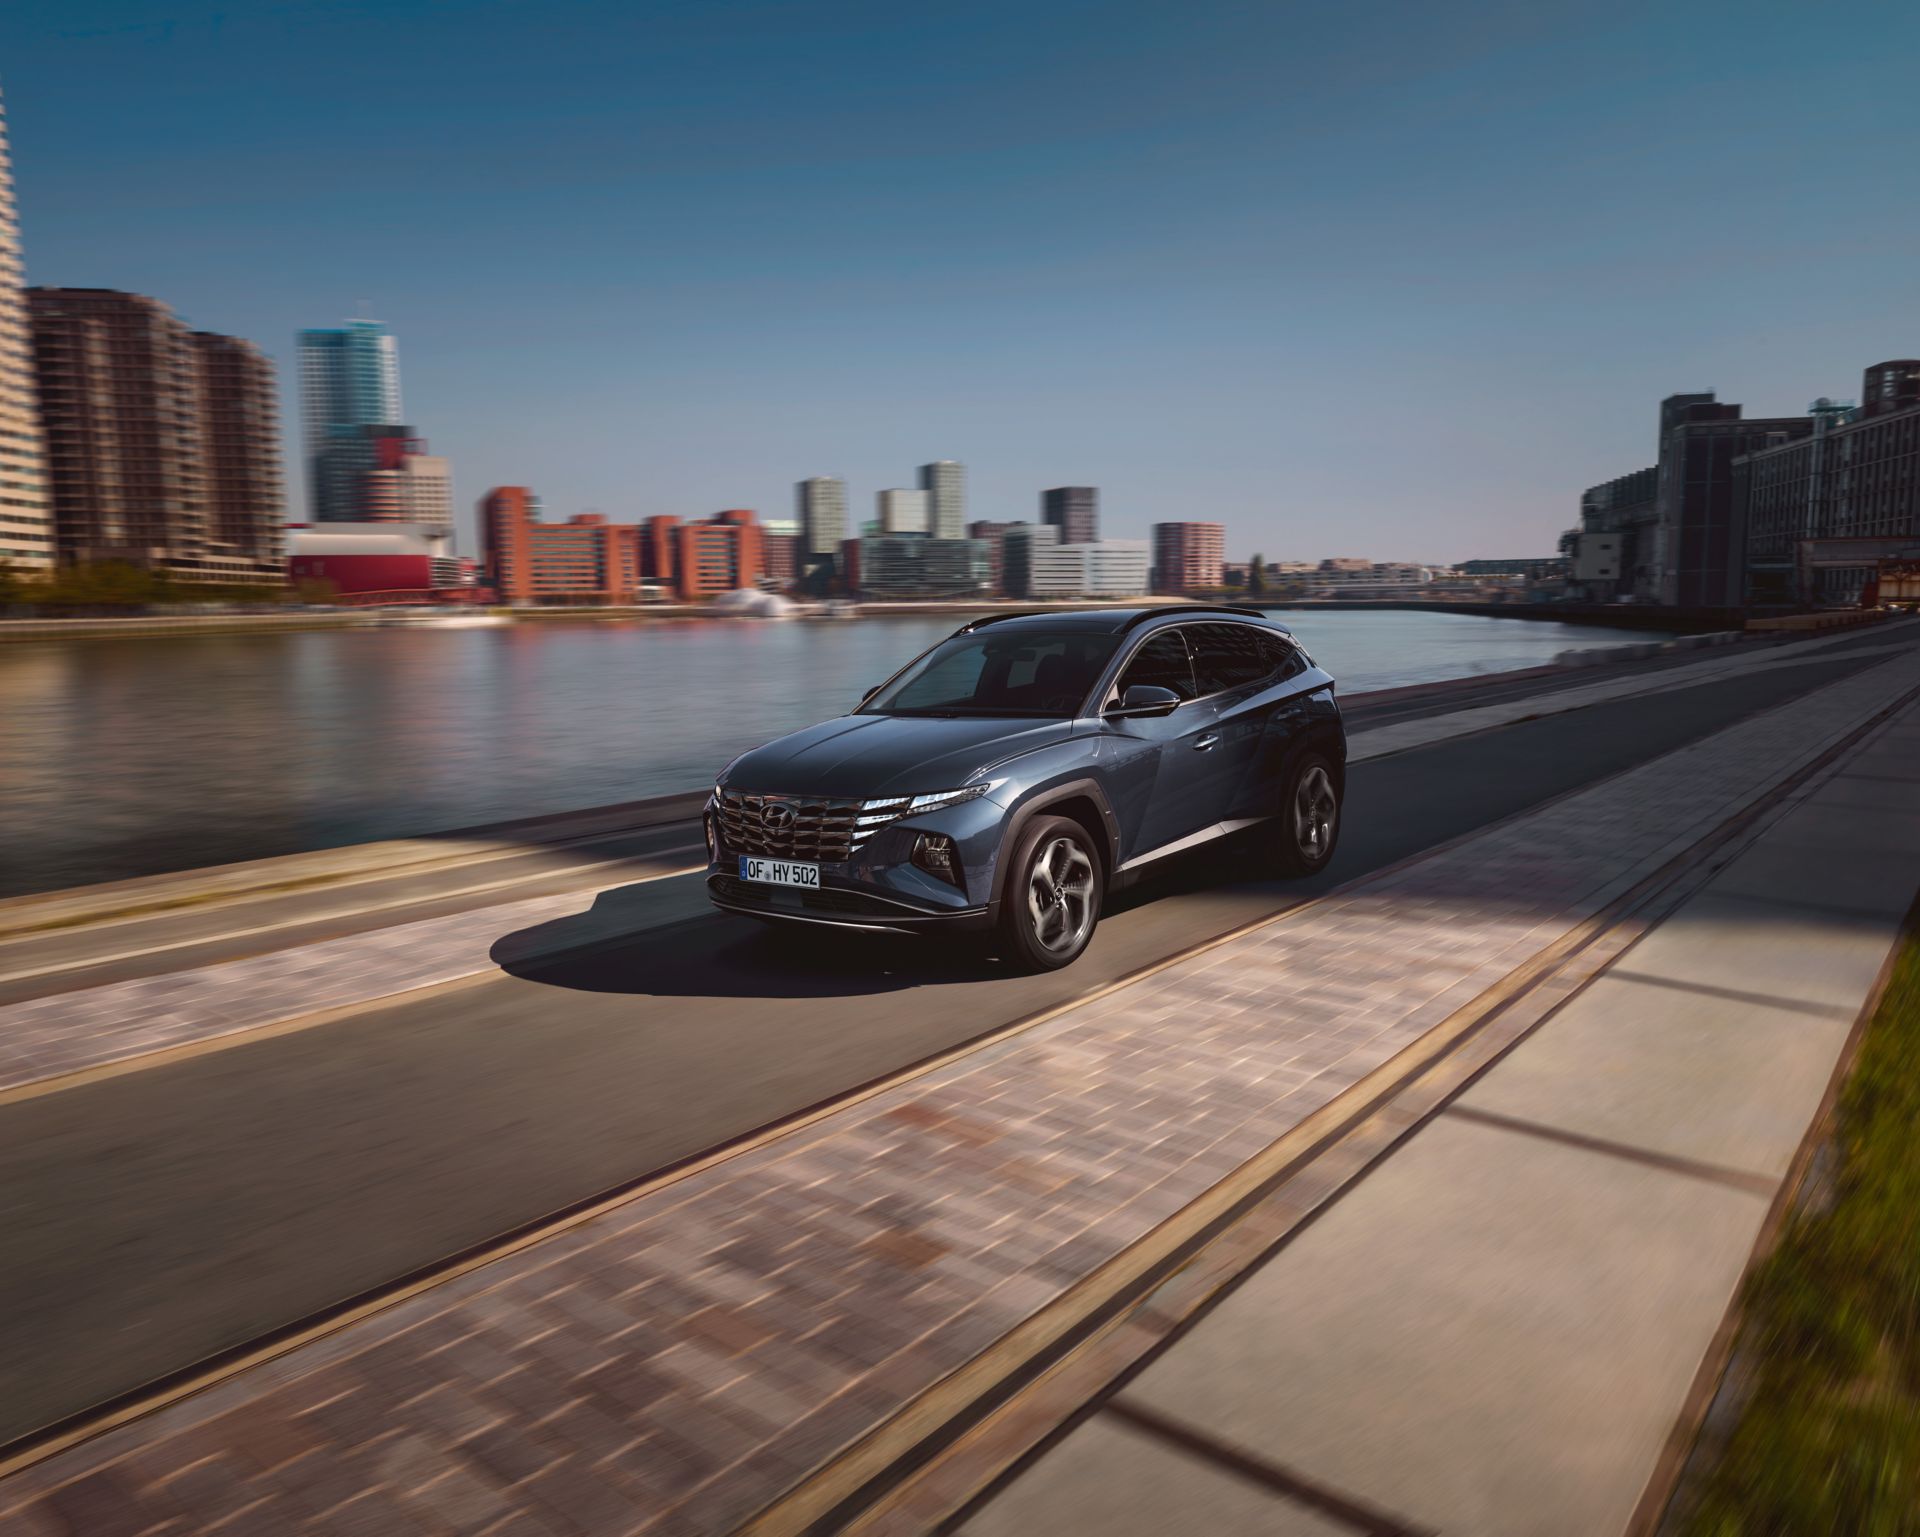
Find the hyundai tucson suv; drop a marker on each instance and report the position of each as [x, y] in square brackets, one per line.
[1012, 776]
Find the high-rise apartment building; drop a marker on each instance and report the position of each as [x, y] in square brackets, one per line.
[1074, 510]
[240, 445]
[821, 507]
[349, 381]
[26, 505]
[1188, 557]
[945, 484]
[903, 512]
[160, 441]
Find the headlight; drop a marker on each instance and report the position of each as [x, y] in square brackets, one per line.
[939, 799]
[875, 814]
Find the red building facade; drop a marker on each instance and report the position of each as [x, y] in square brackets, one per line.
[589, 560]
[780, 552]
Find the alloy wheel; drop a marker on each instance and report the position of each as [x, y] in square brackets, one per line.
[1314, 810]
[1060, 895]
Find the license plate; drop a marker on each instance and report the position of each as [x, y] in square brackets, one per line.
[779, 872]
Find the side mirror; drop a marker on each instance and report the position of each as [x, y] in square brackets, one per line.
[1144, 701]
[871, 692]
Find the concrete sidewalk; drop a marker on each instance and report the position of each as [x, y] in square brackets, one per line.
[1496, 1330]
[691, 1354]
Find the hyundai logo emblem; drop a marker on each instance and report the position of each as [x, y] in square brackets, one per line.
[777, 818]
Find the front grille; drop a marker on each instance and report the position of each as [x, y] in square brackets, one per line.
[823, 830]
[805, 899]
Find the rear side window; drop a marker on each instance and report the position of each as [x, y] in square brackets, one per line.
[1231, 656]
[1161, 663]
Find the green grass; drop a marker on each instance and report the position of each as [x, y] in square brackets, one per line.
[1829, 1441]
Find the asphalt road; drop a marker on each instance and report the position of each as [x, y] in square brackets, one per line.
[157, 1218]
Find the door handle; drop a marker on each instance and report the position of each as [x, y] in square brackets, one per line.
[1205, 742]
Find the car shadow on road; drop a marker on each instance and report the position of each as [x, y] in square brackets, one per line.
[620, 945]
[640, 941]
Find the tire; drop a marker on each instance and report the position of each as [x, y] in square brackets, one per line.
[1050, 904]
[1301, 839]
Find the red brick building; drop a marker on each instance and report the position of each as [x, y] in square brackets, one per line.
[720, 554]
[589, 560]
[781, 552]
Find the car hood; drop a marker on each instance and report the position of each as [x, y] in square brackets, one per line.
[863, 756]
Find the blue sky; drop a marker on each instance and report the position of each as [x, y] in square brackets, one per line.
[1394, 280]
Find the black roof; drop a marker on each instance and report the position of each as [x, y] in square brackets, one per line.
[1114, 621]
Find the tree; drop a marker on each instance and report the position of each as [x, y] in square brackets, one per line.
[1256, 576]
[109, 584]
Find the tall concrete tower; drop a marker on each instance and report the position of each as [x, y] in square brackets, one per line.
[822, 509]
[945, 483]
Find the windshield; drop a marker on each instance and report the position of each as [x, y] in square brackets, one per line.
[1000, 672]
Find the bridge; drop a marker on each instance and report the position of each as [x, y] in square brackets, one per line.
[490, 1182]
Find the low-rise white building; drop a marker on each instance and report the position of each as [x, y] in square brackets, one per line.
[1118, 568]
[1111, 568]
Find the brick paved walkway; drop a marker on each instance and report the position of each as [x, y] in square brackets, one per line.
[672, 1365]
[68, 1032]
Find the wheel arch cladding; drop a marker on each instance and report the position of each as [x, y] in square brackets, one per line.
[1080, 802]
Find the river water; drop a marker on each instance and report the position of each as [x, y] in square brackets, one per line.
[129, 757]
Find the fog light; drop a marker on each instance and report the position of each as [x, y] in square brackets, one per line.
[935, 853]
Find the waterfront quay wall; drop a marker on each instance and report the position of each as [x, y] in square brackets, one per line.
[1678, 621]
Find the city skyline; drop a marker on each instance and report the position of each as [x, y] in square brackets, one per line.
[671, 364]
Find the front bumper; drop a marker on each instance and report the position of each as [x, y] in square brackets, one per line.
[836, 907]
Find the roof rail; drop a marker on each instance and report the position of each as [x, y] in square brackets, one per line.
[1191, 608]
[974, 624]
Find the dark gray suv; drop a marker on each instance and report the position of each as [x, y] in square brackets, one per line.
[1011, 776]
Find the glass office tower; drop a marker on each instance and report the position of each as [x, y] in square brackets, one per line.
[349, 380]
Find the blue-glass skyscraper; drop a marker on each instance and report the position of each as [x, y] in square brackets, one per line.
[349, 380]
